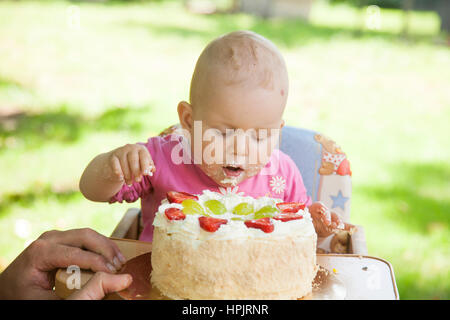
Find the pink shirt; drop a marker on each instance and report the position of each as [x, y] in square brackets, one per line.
[284, 181]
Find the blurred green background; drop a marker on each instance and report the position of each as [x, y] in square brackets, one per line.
[80, 78]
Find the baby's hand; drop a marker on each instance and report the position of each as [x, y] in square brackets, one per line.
[130, 163]
[326, 222]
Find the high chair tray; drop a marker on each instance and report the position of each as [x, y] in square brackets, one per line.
[341, 276]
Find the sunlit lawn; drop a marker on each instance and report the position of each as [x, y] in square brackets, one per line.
[71, 94]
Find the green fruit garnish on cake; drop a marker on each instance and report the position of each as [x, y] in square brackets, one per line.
[237, 219]
[266, 212]
[191, 206]
[215, 207]
[243, 209]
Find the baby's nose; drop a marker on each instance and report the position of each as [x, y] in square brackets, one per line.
[238, 144]
[242, 147]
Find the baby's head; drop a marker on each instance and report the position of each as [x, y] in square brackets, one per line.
[238, 90]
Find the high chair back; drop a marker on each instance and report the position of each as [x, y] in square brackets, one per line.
[324, 167]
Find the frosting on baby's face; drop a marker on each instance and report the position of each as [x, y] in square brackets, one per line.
[238, 94]
[248, 126]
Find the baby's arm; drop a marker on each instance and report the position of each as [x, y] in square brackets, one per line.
[105, 174]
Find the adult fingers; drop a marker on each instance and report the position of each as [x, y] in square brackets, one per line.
[101, 284]
[61, 256]
[93, 241]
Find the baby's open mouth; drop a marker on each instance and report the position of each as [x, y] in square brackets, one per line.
[232, 171]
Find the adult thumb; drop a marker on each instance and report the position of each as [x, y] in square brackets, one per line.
[100, 285]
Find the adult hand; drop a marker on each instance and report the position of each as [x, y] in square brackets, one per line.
[31, 275]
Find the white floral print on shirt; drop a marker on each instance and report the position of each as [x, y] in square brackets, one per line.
[230, 190]
[278, 184]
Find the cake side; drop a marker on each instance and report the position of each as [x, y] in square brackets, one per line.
[282, 268]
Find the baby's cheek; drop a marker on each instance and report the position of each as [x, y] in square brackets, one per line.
[213, 152]
[213, 171]
[253, 170]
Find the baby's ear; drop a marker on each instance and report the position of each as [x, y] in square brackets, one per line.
[185, 115]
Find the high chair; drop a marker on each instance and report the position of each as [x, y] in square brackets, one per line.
[326, 175]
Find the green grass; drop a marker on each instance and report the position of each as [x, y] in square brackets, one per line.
[67, 95]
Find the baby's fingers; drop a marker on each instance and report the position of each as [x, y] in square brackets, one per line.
[126, 169]
[134, 165]
[349, 227]
[336, 221]
[325, 215]
[116, 168]
[147, 165]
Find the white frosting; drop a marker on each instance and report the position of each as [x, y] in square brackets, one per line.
[189, 228]
[232, 181]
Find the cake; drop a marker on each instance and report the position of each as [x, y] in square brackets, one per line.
[216, 246]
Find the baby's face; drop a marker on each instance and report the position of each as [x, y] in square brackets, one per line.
[240, 128]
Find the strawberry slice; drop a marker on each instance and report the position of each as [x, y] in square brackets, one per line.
[288, 217]
[211, 224]
[265, 224]
[179, 197]
[174, 214]
[293, 207]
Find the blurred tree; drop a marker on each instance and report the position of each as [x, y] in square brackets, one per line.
[275, 8]
[442, 7]
[210, 6]
[380, 3]
[262, 8]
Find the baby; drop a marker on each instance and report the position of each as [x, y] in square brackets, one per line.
[238, 92]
